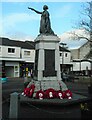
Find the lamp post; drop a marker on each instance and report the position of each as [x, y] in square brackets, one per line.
[63, 44]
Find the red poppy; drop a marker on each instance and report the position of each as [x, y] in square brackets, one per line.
[68, 94]
[50, 93]
[60, 94]
[40, 94]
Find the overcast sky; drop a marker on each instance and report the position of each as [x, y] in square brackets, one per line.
[18, 22]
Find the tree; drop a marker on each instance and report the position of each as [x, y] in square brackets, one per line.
[86, 25]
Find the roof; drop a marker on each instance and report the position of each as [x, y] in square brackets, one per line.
[63, 49]
[25, 45]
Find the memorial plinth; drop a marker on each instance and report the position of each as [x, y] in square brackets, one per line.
[47, 72]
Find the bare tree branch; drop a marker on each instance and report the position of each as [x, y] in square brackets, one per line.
[86, 24]
[75, 36]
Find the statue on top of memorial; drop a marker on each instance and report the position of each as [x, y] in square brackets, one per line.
[45, 25]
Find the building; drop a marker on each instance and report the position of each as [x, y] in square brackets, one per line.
[65, 59]
[80, 52]
[82, 64]
[16, 57]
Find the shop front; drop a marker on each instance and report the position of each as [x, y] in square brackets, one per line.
[26, 69]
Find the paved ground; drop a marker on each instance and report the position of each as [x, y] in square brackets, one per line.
[28, 110]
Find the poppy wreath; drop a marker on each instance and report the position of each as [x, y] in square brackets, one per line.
[26, 91]
[29, 91]
[68, 94]
[60, 94]
[50, 93]
[40, 95]
[32, 87]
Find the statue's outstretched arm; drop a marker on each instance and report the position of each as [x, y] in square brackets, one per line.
[35, 10]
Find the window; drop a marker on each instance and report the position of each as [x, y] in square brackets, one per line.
[16, 68]
[11, 50]
[65, 54]
[26, 52]
[60, 54]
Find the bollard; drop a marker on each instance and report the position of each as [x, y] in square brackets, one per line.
[14, 105]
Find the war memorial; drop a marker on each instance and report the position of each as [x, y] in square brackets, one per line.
[46, 87]
[47, 75]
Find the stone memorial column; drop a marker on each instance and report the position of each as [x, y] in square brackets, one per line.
[47, 61]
